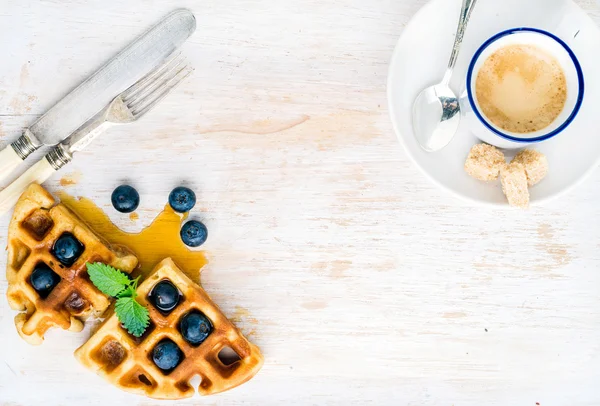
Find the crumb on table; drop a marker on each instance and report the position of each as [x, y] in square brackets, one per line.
[514, 184]
[484, 162]
[535, 164]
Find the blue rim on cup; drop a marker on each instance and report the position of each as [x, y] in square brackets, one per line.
[495, 130]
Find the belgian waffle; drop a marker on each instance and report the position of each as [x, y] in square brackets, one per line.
[36, 224]
[127, 363]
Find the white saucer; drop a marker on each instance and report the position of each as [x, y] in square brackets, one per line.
[420, 59]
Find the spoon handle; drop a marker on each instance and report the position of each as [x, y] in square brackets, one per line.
[465, 14]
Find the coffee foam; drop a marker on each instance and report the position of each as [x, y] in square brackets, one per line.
[521, 88]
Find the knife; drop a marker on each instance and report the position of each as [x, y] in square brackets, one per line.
[91, 96]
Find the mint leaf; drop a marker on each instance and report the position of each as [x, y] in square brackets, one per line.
[109, 280]
[134, 317]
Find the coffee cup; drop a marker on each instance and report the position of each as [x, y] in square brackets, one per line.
[523, 86]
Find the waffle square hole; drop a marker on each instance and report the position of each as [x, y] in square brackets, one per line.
[67, 249]
[110, 354]
[76, 304]
[194, 382]
[38, 224]
[43, 279]
[144, 379]
[166, 355]
[228, 356]
[195, 327]
[137, 378]
[20, 254]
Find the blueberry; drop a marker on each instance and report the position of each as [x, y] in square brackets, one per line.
[43, 279]
[167, 355]
[195, 327]
[182, 199]
[193, 233]
[125, 199]
[67, 249]
[165, 296]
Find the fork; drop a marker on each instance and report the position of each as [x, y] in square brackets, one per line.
[129, 106]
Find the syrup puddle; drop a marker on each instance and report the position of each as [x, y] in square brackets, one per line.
[70, 179]
[156, 242]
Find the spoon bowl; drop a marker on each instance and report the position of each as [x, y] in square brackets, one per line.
[436, 109]
[436, 117]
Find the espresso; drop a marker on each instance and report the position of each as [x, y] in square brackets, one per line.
[521, 88]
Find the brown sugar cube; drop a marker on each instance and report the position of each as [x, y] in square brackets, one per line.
[484, 162]
[514, 185]
[535, 164]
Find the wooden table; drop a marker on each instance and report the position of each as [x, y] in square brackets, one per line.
[361, 282]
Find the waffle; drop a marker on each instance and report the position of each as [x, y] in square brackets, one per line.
[127, 363]
[36, 224]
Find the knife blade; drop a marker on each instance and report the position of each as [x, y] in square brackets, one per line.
[91, 96]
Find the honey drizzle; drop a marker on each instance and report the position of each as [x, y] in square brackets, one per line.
[154, 243]
[70, 179]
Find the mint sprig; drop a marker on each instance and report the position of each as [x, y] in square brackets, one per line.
[112, 282]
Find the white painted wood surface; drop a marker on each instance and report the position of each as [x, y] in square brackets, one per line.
[361, 282]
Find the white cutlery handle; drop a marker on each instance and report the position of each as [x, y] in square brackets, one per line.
[38, 173]
[9, 161]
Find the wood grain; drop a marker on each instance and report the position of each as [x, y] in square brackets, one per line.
[361, 282]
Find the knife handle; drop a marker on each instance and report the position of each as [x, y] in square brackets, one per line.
[38, 173]
[9, 161]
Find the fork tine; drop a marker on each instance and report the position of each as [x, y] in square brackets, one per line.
[153, 99]
[150, 77]
[157, 81]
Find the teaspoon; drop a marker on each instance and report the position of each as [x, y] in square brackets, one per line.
[436, 111]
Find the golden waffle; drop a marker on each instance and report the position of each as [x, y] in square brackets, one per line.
[36, 224]
[127, 362]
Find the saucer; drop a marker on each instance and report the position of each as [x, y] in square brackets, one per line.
[421, 57]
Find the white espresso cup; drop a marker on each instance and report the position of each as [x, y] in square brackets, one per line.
[486, 130]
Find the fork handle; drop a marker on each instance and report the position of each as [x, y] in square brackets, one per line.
[38, 173]
[9, 161]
